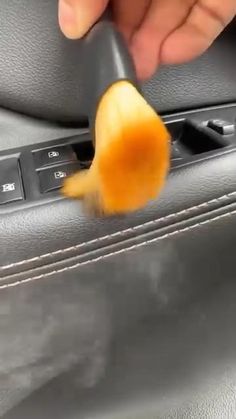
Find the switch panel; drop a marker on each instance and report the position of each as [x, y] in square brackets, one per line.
[33, 174]
[54, 155]
[52, 179]
[10, 181]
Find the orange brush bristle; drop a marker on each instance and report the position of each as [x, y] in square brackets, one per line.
[132, 154]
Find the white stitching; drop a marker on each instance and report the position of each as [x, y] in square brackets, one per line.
[118, 252]
[119, 233]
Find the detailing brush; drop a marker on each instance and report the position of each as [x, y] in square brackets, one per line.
[132, 144]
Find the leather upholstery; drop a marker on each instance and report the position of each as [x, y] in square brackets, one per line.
[120, 357]
[126, 317]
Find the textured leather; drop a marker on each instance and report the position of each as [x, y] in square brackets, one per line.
[40, 70]
[18, 130]
[147, 332]
[180, 365]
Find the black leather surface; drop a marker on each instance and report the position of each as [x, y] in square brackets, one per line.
[146, 332]
[181, 365]
[40, 69]
[19, 130]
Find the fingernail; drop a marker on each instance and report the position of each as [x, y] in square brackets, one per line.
[67, 18]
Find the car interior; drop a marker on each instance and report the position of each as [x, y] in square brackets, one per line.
[128, 316]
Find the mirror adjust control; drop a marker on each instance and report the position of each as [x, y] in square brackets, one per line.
[221, 126]
[10, 181]
[55, 155]
[52, 179]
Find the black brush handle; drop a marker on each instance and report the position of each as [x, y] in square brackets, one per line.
[106, 60]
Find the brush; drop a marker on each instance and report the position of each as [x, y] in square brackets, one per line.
[132, 144]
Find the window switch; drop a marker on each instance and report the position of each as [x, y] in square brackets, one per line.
[10, 181]
[53, 156]
[221, 126]
[52, 179]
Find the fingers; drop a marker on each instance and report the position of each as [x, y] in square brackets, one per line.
[161, 19]
[129, 15]
[158, 31]
[77, 16]
[204, 23]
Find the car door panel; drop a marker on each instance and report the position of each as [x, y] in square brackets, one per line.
[130, 316]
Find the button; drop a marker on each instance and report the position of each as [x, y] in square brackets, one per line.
[10, 181]
[221, 126]
[52, 179]
[55, 155]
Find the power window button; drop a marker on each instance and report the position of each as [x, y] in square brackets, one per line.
[55, 155]
[10, 181]
[53, 178]
[221, 126]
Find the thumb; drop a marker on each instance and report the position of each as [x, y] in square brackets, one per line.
[77, 16]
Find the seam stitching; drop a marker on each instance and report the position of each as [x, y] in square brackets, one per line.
[118, 252]
[119, 233]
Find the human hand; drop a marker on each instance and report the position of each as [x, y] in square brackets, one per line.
[157, 31]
